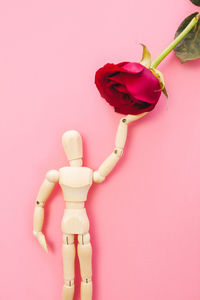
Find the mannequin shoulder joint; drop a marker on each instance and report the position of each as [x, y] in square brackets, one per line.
[52, 176]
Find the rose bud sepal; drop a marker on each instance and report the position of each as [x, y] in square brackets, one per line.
[146, 62]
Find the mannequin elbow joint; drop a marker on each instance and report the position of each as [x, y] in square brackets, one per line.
[118, 152]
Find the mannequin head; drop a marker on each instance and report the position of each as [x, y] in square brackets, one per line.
[72, 144]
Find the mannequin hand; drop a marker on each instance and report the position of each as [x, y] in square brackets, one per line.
[41, 239]
[131, 118]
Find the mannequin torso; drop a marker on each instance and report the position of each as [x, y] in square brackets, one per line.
[75, 183]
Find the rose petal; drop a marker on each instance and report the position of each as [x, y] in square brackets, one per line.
[103, 74]
[133, 68]
[120, 88]
[146, 87]
[113, 96]
[135, 109]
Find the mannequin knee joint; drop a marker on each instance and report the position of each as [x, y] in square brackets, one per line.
[87, 280]
[68, 239]
[84, 238]
[69, 283]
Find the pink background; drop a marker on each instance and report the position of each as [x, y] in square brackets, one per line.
[145, 218]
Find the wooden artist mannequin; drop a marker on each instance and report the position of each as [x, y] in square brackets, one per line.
[75, 182]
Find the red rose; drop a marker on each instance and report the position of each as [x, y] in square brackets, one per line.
[130, 87]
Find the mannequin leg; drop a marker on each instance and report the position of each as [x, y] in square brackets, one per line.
[85, 259]
[68, 251]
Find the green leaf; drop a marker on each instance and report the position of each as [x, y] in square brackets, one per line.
[196, 2]
[189, 47]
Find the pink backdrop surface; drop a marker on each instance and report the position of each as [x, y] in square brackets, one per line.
[145, 218]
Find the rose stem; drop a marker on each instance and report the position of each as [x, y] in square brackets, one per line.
[177, 40]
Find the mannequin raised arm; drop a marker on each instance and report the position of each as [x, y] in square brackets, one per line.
[45, 190]
[120, 140]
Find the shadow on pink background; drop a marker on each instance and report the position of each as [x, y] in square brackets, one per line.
[145, 218]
